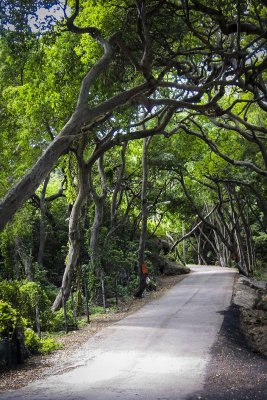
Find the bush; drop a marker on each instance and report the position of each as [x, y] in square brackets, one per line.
[9, 319]
[32, 341]
[31, 294]
[57, 322]
[39, 346]
[261, 256]
[260, 246]
[48, 345]
[9, 292]
[23, 296]
[97, 310]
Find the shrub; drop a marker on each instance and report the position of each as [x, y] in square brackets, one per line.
[97, 310]
[9, 319]
[31, 294]
[9, 292]
[39, 346]
[23, 296]
[57, 322]
[48, 345]
[32, 341]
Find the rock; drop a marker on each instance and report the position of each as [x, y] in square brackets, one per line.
[245, 296]
[253, 283]
[262, 303]
[171, 268]
[167, 267]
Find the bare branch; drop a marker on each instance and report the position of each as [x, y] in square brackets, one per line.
[190, 233]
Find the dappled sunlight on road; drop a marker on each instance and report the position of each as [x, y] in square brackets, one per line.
[207, 269]
[116, 364]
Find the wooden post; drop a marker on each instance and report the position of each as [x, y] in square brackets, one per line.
[116, 291]
[86, 296]
[103, 290]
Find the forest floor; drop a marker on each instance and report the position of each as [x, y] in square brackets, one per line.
[37, 367]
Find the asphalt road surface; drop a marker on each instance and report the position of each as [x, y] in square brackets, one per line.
[161, 352]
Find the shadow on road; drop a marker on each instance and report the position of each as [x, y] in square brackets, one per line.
[235, 372]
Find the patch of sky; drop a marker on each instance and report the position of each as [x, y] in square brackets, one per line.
[44, 18]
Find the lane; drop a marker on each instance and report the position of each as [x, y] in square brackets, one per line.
[161, 352]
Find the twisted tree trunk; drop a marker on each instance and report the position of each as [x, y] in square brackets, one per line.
[99, 201]
[74, 236]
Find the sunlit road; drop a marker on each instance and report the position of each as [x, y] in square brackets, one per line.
[158, 353]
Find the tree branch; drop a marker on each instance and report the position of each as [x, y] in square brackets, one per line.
[190, 233]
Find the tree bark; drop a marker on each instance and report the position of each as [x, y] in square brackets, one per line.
[99, 201]
[241, 263]
[42, 231]
[144, 213]
[115, 202]
[74, 236]
[116, 199]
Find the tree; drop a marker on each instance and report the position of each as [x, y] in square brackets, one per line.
[212, 63]
[79, 90]
[144, 217]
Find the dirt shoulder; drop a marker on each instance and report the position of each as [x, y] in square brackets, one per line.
[234, 371]
[238, 366]
[254, 326]
[39, 366]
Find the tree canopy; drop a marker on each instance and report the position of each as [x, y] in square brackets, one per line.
[209, 67]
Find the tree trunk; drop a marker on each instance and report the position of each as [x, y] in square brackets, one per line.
[144, 213]
[25, 257]
[117, 193]
[220, 245]
[184, 248]
[249, 254]
[214, 248]
[42, 231]
[241, 262]
[97, 223]
[74, 237]
[200, 255]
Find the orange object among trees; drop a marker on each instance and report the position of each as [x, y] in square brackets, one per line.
[144, 269]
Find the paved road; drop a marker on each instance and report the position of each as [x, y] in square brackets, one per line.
[161, 352]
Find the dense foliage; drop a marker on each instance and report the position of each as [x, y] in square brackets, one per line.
[128, 128]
